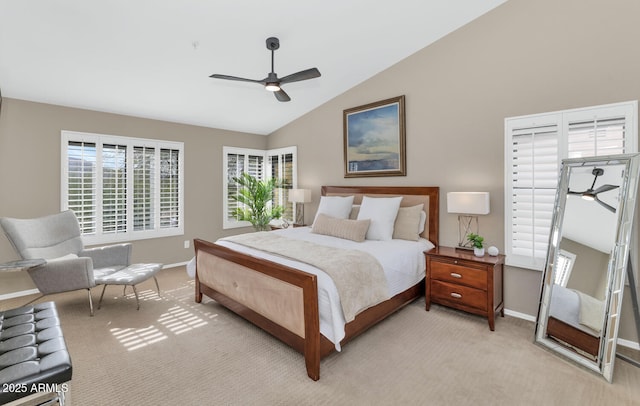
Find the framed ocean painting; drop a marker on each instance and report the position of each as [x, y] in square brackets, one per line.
[374, 139]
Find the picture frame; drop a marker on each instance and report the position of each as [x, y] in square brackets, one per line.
[375, 140]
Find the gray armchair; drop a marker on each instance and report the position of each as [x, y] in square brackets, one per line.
[69, 266]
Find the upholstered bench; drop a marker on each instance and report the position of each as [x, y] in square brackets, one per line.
[33, 353]
[129, 276]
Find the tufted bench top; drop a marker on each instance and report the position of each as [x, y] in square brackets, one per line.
[33, 353]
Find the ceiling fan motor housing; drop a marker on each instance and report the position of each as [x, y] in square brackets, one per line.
[273, 43]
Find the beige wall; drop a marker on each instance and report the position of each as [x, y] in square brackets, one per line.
[523, 57]
[30, 173]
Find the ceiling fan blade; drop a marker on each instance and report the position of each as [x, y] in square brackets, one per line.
[604, 188]
[302, 75]
[605, 205]
[227, 77]
[282, 96]
[575, 193]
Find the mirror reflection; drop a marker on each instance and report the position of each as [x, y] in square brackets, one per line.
[577, 312]
[588, 250]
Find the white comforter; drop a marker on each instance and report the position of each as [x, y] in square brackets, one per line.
[403, 263]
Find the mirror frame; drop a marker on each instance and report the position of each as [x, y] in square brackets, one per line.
[617, 265]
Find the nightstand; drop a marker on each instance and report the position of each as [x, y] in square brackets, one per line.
[458, 279]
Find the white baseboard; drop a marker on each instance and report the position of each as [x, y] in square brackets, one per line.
[519, 315]
[175, 265]
[13, 295]
[21, 293]
[629, 344]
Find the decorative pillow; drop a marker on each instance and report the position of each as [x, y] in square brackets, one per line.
[335, 206]
[354, 230]
[382, 212]
[407, 224]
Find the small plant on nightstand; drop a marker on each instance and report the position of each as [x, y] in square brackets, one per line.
[477, 242]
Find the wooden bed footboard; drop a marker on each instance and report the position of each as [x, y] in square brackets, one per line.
[281, 300]
[286, 306]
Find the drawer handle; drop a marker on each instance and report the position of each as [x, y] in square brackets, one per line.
[456, 275]
[456, 295]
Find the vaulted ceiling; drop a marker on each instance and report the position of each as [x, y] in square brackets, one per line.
[153, 59]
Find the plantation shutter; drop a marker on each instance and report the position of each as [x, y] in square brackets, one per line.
[122, 188]
[281, 166]
[277, 163]
[534, 176]
[535, 147]
[114, 189]
[238, 162]
[169, 188]
[596, 137]
[81, 183]
[143, 188]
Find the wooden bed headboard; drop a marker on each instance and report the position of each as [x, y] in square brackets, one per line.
[412, 195]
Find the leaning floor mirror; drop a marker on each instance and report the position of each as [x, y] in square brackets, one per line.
[584, 276]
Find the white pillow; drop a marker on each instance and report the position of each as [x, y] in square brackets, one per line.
[382, 212]
[335, 206]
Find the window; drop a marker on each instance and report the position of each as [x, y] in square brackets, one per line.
[122, 188]
[277, 163]
[534, 148]
[566, 260]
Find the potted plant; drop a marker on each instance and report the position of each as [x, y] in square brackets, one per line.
[255, 195]
[477, 242]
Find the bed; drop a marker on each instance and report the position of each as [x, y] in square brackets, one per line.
[566, 321]
[283, 297]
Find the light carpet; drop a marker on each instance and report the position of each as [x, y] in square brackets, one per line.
[176, 351]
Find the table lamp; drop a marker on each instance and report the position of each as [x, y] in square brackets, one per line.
[468, 205]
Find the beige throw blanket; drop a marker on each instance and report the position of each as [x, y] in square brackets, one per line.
[358, 276]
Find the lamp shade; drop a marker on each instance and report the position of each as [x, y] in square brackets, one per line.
[468, 202]
[300, 195]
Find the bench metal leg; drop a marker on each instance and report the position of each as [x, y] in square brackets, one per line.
[157, 286]
[101, 296]
[91, 303]
[136, 293]
[57, 399]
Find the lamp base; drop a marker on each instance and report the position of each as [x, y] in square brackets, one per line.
[464, 247]
[465, 227]
[299, 214]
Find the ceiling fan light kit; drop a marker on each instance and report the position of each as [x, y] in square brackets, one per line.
[272, 83]
[591, 194]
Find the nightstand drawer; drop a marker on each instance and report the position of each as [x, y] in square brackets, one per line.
[457, 294]
[459, 274]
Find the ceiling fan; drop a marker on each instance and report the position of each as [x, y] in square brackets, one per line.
[272, 82]
[591, 194]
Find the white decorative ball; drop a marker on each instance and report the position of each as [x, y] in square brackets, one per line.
[493, 251]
